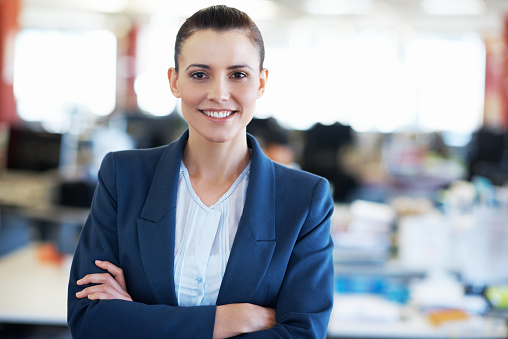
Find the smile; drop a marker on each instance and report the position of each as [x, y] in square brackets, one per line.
[218, 114]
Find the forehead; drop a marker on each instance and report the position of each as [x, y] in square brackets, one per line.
[210, 47]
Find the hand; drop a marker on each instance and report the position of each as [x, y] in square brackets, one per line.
[235, 319]
[111, 285]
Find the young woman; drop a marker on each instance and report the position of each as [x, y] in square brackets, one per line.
[206, 237]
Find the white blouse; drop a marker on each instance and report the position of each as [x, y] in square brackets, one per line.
[203, 239]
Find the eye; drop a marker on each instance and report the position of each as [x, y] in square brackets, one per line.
[198, 75]
[239, 75]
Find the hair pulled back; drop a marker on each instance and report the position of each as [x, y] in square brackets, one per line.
[219, 18]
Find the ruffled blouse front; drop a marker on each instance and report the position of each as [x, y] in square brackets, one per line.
[203, 239]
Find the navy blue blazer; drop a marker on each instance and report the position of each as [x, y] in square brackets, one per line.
[281, 255]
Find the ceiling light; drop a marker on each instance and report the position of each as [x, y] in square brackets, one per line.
[339, 7]
[111, 6]
[256, 9]
[453, 7]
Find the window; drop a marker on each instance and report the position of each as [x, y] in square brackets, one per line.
[447, 78]
[155, 56]
[59, 73]
[373, 82]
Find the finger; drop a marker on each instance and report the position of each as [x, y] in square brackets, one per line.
[102, 292]
[116, 271]
[96, 278]
[99, 296]
[101, 278]
[263, 318]
[111, 268]
[95, 289]
[272, 317]
[105, 296]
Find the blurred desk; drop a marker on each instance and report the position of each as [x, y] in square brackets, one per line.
[60, 224]
[32, 291]
[415, 325]
[30, 195]
[56, 214]
[49, 213]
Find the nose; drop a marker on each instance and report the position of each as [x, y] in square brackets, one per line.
[219, 90]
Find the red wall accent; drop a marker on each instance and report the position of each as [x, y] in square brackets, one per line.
[9, 26]
[504, 86]
[132, 98]
[494, 75]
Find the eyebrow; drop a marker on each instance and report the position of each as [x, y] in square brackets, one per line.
[208, 67]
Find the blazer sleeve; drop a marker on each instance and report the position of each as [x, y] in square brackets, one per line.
[117, 318]
[306, 296]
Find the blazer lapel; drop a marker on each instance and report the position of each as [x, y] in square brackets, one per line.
[253, 245]
[255, 239]
[156, 224]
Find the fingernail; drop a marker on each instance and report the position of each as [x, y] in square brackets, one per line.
[98, 261]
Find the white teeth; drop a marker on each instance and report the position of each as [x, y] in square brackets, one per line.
[221, 114]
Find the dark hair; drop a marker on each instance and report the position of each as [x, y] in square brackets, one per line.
[219, 18]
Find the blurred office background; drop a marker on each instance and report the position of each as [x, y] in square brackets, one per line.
[400, 104]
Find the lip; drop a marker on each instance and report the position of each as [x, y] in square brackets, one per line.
[218, 114]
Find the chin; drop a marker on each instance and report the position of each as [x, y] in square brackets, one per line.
[218, 134]
[218, 138]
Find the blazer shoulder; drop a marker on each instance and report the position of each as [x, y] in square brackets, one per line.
[133, 162]
[296, 177]
[139, 154]
[304, 188]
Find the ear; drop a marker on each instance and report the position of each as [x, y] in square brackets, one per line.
[173, 82]
[263, 78]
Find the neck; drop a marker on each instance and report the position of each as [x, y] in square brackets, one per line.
[215, 162]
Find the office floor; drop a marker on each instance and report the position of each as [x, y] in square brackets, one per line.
[16, 331]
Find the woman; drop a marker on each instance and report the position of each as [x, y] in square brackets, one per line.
[206, 237]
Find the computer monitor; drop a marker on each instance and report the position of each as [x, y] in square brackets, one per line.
[32, 150]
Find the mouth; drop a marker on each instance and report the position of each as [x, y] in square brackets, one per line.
[218, 114]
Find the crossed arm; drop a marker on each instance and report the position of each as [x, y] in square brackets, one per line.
[230, 320]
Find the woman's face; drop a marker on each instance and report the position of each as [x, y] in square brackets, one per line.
[218, 82]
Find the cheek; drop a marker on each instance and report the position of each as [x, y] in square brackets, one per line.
[190, 96]
[189, 100]
[248, 95]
